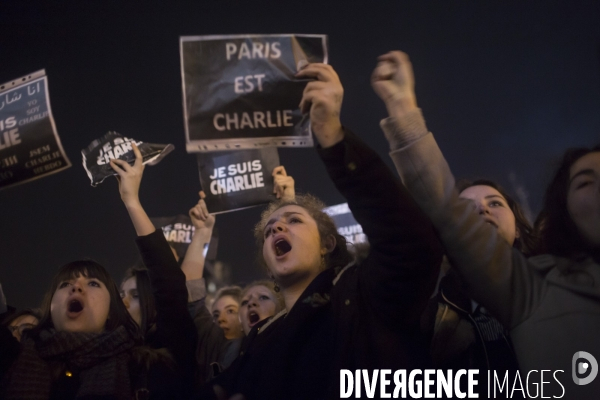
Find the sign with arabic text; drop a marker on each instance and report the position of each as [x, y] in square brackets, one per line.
[29, 144]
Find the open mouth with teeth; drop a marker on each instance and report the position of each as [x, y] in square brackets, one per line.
[282, 247]
[74, 308]
[253, 318]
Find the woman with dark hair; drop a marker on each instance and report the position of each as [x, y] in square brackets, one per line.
[488, 197]
[136, 292]
[463, 333]
[87, 345]
[338, 315]
[550, 303]
[570, 216]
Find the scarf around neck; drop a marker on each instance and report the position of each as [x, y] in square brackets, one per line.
[100, 359]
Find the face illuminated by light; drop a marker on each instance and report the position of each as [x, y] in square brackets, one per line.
[257, 304]
[131, 299]
[583, 197]
[494, 209]
[80, 305]
[292, 248]
[225, 313]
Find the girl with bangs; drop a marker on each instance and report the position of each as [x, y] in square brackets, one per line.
[87, 345]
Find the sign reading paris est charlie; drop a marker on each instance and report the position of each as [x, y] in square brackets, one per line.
[29, 145]
[239, 91]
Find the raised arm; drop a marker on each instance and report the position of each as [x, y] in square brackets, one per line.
[193, 262]
[130, 177]
[174, 326]
[211, 343]
[493, 270]
[401, 269]
[283, 184]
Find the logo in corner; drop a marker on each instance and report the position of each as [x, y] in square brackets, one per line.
[584, 363]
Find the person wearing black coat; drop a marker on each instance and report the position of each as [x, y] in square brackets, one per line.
[88, 346]
[339, 315]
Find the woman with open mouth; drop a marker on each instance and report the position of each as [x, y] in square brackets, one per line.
[87, 345]
[259, 302]
[337, 314]
[550, 303]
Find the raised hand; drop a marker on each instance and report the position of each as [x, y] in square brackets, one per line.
[193, 262]
[323, 99]
[200, 216]
[394, 83]
[283, 184]
[129, 177]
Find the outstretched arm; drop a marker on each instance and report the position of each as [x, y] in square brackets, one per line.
[399, 273]
[129, 178]
[174, 326]
[193, 263]
[493, 270]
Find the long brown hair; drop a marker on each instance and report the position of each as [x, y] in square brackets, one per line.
[559, 235]
[145, 295]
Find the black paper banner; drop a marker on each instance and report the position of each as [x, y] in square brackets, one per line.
[29, 144]
[346, 224]
[97, 156]
[238, 179]
[179, 231]
[239, 91]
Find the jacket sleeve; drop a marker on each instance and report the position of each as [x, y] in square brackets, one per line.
[401, 269]
[497, 275]
[9, 350]
[211, 340]
[174, 326]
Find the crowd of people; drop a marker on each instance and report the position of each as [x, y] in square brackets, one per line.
[455, 277]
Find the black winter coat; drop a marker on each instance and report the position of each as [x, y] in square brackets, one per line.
[365, 316]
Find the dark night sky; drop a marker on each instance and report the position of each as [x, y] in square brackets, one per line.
[505, 86]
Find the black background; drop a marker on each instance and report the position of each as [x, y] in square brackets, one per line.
[505, 86]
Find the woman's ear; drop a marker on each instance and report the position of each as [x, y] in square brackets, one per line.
[517, 233]
[329, 244]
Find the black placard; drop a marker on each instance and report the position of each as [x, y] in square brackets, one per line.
[239, 91]
[238, 179]
[346, 224]
[113, 145]
[179, 231]
[29, 144]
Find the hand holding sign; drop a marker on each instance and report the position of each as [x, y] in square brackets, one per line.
[283, 184]
[129, 177]
[394, 83]
[200, 216]
[323, 98]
